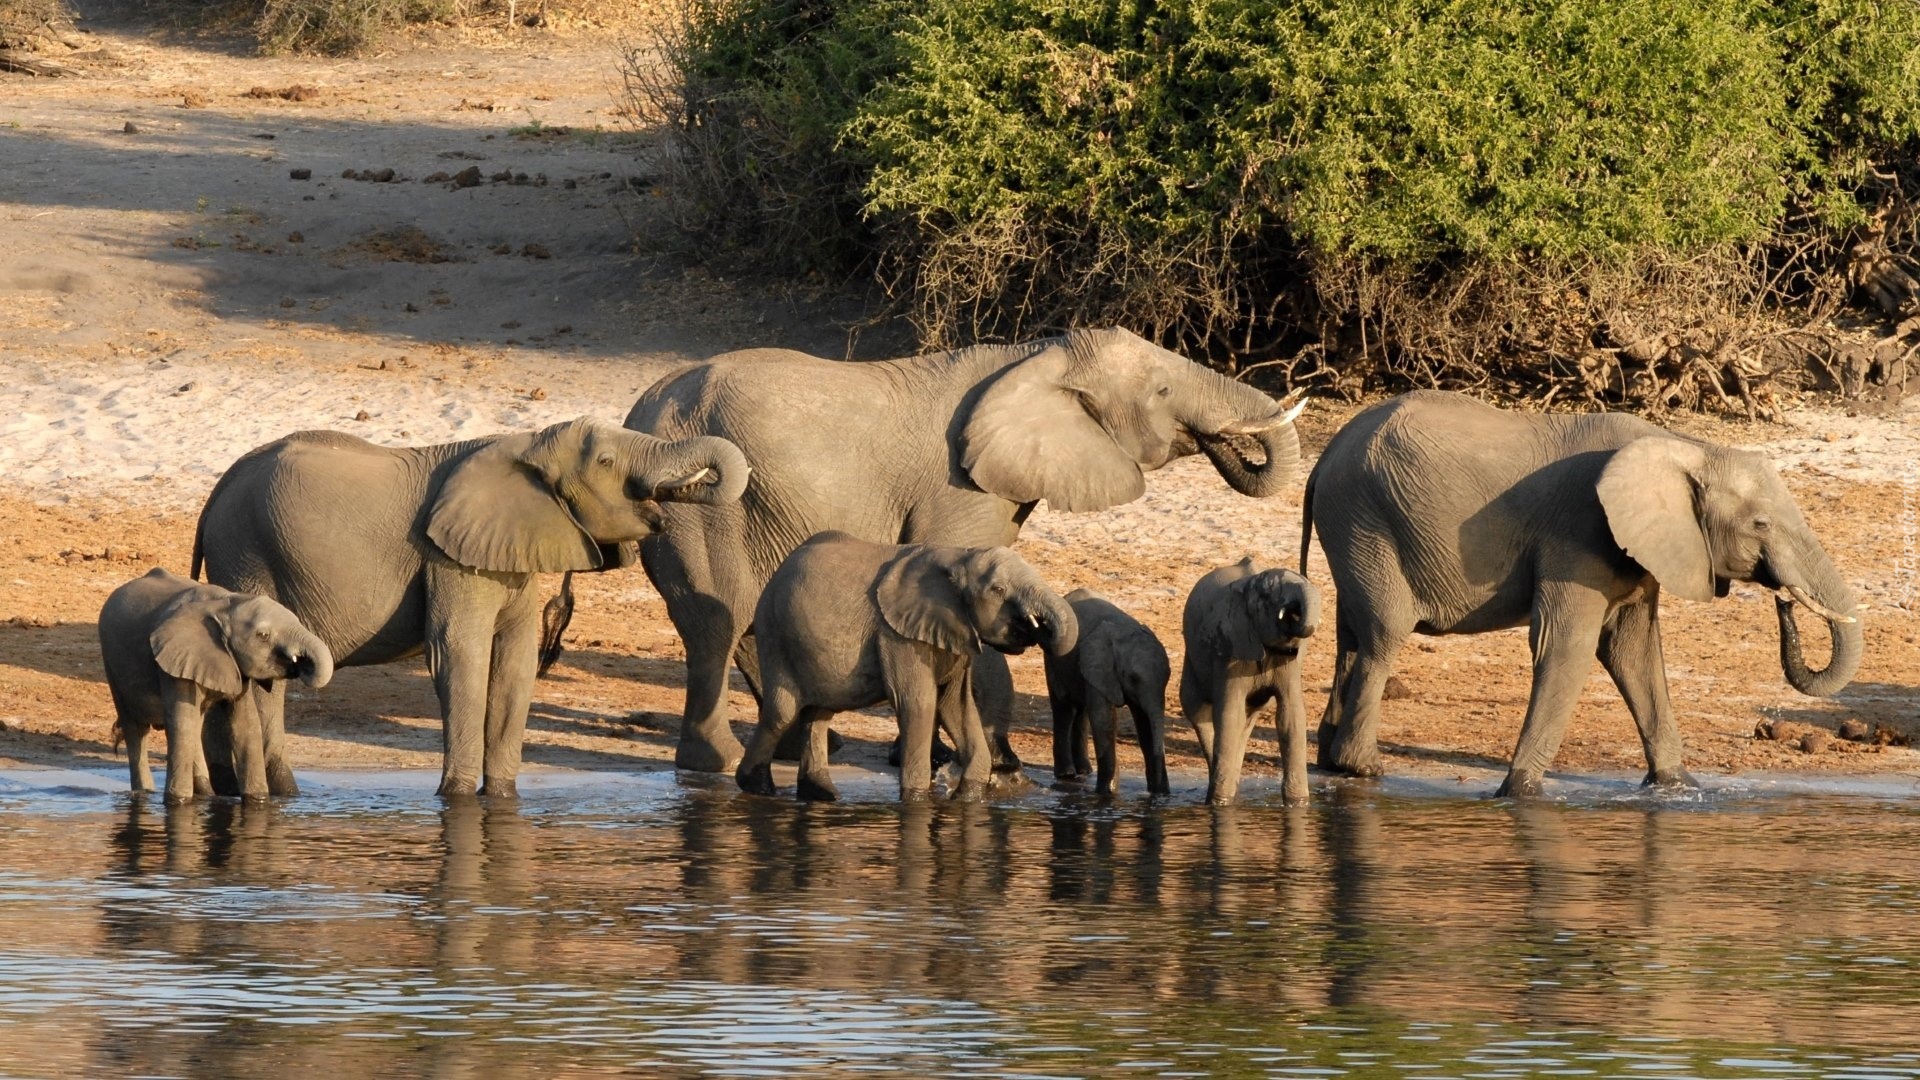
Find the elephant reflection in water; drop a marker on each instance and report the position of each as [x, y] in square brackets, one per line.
[486, 890]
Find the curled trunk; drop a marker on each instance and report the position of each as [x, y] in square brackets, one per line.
[1824, 585]
[1221, 412]
[705, 469]
[314, 661]
[1059, 630]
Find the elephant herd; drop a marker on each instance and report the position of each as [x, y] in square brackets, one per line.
[840, 532]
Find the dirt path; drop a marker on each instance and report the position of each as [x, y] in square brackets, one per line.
[172, 295]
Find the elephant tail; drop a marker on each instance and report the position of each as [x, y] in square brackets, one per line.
[1306, 519]
[199, 546]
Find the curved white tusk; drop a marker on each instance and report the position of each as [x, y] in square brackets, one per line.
[1256, 427]
[1799, 595]
[704, 476]
[1034, 619]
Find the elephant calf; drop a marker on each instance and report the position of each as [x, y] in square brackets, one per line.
[176, 651]
[1116, 661]
[1243, 626]
[844, 624]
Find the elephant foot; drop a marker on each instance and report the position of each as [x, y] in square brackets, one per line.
[820, 790]
[1004, 759]
[916, 795]
[1518, 786]
[756, 780]
[1009, 781]
[1367, 764]
[1669, 778]
[701, 755]
[1221, 798]
[500, 789]
[967, 791]
[177, 799]
[458, 787]
[280, 779]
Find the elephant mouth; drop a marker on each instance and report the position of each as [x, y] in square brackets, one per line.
[1284, 652]
[295, 667]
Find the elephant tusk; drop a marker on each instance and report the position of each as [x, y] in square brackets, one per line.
[1034, 620]
[1797, 594]
[704, 476]
[1256, 427]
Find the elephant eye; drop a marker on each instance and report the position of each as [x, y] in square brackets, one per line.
[606, 459]
[1163, 391]
[1761, 524]
[263, 634]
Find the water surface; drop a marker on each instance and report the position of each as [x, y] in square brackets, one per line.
[630, 924]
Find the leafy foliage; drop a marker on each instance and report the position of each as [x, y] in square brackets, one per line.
[1249, 175]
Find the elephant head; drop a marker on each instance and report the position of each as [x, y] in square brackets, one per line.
[1698, 516]
[220, 640]
[959, 599]
[1080, 420]
[574, 496]
[1265, 613]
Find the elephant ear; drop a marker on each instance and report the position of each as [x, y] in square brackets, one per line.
[498, 511]
[919, 597]
[1100, 660]
[1649, 493]
[190, 643]
[1029, 436]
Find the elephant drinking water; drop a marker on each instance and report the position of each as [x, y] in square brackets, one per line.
[950, 448]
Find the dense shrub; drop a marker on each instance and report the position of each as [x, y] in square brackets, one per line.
[1413, 188]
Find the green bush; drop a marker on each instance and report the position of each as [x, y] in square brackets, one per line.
[1247, 175]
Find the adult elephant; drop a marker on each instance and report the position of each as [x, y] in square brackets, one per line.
[951, 448]
[1442, 515]
[386, 552]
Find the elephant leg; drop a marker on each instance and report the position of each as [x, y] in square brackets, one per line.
[202, 777]
[1343, 654]
[1149, 728]
[711, 615]
[553, 625]
[462, 611]
[916, 704]
[270, 706]
[1290, 717]
[961, 716]
[1065, 716]
[1083, 738]
[1198, 710]
[216, 753]
[242, 720]
[139, 772]
[515, 664]
[1232, 724]
[1097, 716]
[184, 720]
[1630, 651]
[816, 778]
[993, 695]
[779, 710]
[1354, 748]
[1564, 636]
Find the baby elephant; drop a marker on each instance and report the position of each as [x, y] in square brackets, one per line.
[1116, 662]
[1243, 626]
[176, 650]
[844, 624]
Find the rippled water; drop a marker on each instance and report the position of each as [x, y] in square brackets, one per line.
[629, 924]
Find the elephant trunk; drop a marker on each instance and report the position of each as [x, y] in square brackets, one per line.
[706, 469]
[1227, 411]
[312, 660]
[1825, 593]
[1057, 630]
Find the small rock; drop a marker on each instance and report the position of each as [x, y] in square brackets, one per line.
[501, 177]
[1395, 690]
[193, 99]
[1855, 730]
[349, 174]
[1815, 742]
[378, 176]
[435, 178]
[130, 129]
[567, 329]
[119, 553]
[363, 415]
[536, 251]
[300, 174]
[502, 249]
[288, 301]
[467, 177]
[510, 324]
[537, 394]
[1830, 437]
[411, 306]
[1886, 736]
[296, 237]
[570, 184]
[265, 135]
[185, 387]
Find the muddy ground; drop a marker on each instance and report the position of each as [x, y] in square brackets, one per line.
[187, 273]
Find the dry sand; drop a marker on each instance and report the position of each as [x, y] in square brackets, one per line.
[171, 296]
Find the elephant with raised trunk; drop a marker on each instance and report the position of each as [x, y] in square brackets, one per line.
[950, 448]
[180, 655]
[1441, 515]
[845, 624]
[385, 552]
[1242, 628]
[1116, 662]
